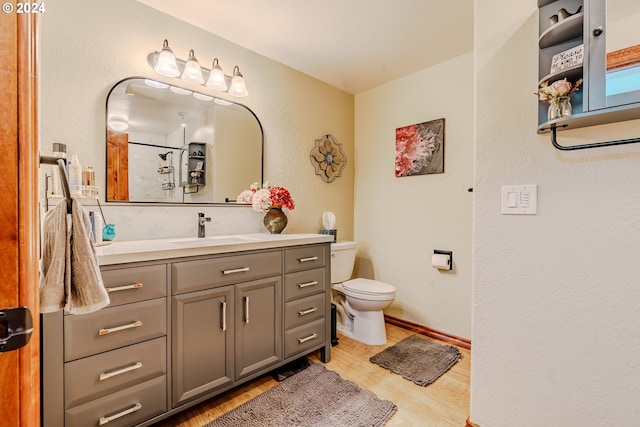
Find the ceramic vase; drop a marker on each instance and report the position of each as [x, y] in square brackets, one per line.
[275, 220]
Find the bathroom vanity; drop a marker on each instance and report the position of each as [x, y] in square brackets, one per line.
[188, 319]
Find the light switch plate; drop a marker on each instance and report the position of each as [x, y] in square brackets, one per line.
[520, 199]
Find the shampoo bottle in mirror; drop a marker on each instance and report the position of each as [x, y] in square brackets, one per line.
[75, 176]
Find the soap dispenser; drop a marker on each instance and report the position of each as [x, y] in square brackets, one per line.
[75, 176]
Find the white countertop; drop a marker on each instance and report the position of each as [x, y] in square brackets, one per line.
[156, 249]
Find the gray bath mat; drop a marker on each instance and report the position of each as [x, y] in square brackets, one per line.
[313, 397]
[418, 359]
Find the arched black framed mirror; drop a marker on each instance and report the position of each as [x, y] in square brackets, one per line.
[166, 144]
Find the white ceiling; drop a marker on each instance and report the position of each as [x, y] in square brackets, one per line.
[354, 45]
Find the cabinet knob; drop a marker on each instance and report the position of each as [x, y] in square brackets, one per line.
[597, 31]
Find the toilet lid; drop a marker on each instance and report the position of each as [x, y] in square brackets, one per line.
[368, 286]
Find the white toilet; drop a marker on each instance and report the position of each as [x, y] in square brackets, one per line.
[359, 302]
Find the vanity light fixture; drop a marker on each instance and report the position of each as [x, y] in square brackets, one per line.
[217, 79]
[192, 71]
[238, 87]
[166, 64]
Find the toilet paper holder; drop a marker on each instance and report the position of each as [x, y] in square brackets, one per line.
[440, 262]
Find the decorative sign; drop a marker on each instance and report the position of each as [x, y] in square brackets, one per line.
[567, 59]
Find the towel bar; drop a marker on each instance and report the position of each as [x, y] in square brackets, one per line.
[555, 143]
[51, 160]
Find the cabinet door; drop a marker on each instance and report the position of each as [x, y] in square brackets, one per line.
[614, 53]
[258, 325]
[202, 342]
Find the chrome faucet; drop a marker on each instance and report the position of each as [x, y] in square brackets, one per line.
[201, 221]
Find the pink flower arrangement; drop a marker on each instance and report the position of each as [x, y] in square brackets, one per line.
[262, 199]
[558, 89]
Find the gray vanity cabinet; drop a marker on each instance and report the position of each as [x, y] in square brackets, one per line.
[226, 320]
[109, 366]
[183, 330]
[258, 325]
[306, 300]
[202, 330]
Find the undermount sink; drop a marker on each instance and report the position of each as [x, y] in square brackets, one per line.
[213, 240]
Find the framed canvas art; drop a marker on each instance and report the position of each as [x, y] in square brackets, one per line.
[420, 149]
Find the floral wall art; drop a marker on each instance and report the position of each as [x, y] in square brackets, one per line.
[420, 149]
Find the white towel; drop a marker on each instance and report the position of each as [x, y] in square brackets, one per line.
[71, 278]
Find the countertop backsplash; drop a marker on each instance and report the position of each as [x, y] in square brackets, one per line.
[161, 222]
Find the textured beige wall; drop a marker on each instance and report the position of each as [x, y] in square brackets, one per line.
[87, 46]
[555, 295]
[400, 221]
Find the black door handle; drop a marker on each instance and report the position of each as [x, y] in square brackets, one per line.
[16, 326]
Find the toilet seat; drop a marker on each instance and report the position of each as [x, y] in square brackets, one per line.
[368, 288]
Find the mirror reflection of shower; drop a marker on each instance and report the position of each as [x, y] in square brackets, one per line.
[167, 171]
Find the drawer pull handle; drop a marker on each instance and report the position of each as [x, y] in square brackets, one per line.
[309, 338]
[235, 270]
[106, 331]
[311, 258]
[307, 311]
[246, 309]
[224, 315]
[134, 408]
[304, 285]
[124, 287]
[107, 375]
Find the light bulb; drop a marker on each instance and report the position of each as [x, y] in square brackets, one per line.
[155, 84]
[180, 91]
[118, 125]
[202, 96]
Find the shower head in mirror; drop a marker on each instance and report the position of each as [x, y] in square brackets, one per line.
[164, 156]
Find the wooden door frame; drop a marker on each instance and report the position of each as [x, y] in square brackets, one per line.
[20, 369]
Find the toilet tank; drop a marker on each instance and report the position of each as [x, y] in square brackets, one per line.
[343, 257]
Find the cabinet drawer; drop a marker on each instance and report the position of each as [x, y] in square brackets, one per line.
[191, 276]
[304, 258]
[304, 310]
[304, 283]
[126, 285]
[304, 337]
[96, 376]
[113, 327]
[125, 408]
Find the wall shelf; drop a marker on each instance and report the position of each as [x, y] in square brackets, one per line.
[572, 74]
[196, 163]
[591, 104]
[565, 30]
[591, 118]
[544, 2]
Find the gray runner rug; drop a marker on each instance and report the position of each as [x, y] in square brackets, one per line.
[313, 397]
[418, 359]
